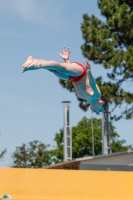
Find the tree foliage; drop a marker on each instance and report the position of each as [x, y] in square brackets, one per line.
[82, 140]
[2, 153]
[32, 155]
[110, 43]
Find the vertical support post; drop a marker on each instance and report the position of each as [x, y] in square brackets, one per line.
[93, 145]
[67, 133]
[106, 149]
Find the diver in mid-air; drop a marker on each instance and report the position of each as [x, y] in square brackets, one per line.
[80, 75]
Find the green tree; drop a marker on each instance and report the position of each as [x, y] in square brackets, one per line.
[110, 43]
[82, 140]
[2, 153]
[32, 155]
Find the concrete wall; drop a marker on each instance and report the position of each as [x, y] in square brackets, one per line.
[124, 159]
[47, 184]
[106, 167]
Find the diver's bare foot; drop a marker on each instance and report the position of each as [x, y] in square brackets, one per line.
[30, 60]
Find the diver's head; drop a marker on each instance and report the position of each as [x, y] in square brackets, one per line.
[100, 106]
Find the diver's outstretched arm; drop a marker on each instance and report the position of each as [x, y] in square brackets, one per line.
[65, 54]
[92, 81]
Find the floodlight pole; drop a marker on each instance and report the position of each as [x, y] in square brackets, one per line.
[67, 136]
[106, 149]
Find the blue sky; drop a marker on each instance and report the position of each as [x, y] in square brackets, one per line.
[30, 103]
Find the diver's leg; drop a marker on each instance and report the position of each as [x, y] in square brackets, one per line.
[59, 75]
[71, 69]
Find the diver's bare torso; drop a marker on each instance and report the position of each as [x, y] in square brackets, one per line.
[84, 90]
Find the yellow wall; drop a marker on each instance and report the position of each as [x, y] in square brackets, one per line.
[42, 184]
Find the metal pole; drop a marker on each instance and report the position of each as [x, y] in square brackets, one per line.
[93, 148]
[67, 133]
[105, 131]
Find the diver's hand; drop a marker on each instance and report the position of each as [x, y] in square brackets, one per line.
[65, 54]
[87, 65]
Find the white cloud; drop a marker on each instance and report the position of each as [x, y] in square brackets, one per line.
[48, 11]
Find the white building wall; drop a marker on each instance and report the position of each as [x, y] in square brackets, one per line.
[124, 159]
